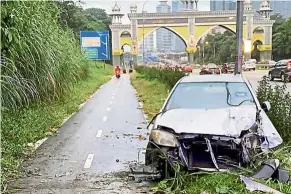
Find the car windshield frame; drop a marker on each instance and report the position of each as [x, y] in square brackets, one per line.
[166, 106]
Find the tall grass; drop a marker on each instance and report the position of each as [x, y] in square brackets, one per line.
[39, 60]
[280, 113]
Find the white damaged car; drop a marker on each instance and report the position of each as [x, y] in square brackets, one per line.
[210, 123]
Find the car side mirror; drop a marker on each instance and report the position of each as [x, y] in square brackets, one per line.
[266, 106]
[254, 127]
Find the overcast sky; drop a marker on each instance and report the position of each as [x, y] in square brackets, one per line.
[150, 6]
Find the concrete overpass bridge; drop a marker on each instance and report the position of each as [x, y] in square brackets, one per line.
[191, 26]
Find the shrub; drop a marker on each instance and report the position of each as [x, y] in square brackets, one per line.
[40, 60]
[280, 113]
[168, 77]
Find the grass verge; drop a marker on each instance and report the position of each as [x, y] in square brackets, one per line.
[39, 120]
[151, 92]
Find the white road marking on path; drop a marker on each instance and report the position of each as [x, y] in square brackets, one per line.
[89, 161]
[99, 133]
[113, 94]
[104, 118]
[108, 109]
[110, 102]
[112, 97]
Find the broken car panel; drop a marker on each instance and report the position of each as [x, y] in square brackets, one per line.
[210, 123]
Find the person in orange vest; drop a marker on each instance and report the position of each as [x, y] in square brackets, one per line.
[117, 70]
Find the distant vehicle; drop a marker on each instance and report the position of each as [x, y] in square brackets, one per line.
[249, 65]
[282, 70]
[187, 69]
[227, 68]
[211, 68]
[271, 63]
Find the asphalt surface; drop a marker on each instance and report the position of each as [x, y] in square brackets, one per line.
[93, 149]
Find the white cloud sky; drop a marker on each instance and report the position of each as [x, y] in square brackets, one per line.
[150, 6]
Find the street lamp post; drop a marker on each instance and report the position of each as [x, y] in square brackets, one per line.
[239, 31]
[143, 41]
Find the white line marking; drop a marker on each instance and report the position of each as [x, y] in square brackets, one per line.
[104, 118]
[110, 102]
[89, 161]
[108, 109]
[112, 97]
[113, 94]
[99, 133]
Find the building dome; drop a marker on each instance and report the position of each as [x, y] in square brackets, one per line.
[115, 8]
[133, 6]
[265, 4]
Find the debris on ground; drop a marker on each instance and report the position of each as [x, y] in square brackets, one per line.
[127, 134]
[140, 137]
[142, 172]
[117, 160]
[271, 169]
[255, 186]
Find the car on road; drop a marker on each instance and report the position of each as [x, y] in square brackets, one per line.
[210, 68]
[281, 70]
[270, 63]
[210, 123]
[188, 69]
[228, 68]
[249, 65]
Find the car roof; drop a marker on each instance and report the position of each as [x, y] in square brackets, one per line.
[213, 78]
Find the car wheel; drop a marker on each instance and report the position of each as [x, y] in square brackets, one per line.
[283, 77]
[254, 69]
[271, 77]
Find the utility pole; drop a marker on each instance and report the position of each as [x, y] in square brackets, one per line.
[239, 34]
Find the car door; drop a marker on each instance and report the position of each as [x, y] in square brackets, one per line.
[276, 71]
[283, 67]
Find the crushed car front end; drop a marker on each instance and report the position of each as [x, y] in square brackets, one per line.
[201, 151]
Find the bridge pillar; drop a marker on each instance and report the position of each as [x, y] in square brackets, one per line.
[266, 49]
[191, 51]
[116, 51]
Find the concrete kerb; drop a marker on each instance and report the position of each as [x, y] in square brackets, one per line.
[37, 144]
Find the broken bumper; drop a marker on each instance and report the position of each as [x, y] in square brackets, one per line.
[208, 153]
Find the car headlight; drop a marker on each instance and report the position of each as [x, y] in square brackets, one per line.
[164, 138]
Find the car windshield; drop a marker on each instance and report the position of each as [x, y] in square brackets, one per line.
[210, 95]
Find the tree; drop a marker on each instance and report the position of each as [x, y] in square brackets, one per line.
[282, 40]
[97, 14]
[73, 16]
[218, 48]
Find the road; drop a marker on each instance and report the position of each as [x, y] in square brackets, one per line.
[92, 148]
[254, 77]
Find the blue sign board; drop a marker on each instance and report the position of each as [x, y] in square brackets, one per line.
[95, 44]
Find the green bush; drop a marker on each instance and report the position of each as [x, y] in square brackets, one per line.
[39, 59]
[280, 113]
[168, 77]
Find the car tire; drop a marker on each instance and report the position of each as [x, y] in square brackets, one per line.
[271, 77]
[283, 77]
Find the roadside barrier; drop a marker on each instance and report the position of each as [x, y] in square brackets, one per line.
[262, 67]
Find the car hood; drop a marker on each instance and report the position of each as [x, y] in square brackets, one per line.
[225, 121]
